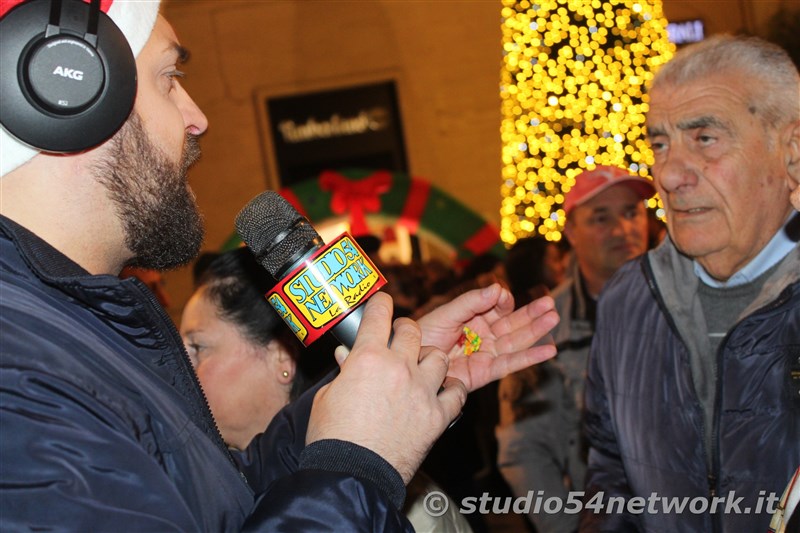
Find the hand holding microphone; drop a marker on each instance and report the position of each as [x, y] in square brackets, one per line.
[509, 340]
[320, 287]
[386, 395]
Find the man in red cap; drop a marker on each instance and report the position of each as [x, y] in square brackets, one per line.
[606, 223]
[540, 444]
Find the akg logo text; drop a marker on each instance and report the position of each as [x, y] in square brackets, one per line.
[69, 73]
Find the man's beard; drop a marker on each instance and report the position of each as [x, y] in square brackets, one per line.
[163, 227]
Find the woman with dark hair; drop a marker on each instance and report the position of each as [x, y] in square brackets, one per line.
[533, 267]
[245, 357]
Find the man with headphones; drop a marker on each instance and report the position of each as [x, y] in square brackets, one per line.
[104, 425]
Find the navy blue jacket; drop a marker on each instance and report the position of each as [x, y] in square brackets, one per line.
[644, 420]
[104, 427]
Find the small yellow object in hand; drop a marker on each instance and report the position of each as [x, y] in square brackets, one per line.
[472, 341]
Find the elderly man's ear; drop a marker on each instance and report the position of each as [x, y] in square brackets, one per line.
[793, 163]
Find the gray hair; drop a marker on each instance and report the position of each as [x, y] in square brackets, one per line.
[774, 94]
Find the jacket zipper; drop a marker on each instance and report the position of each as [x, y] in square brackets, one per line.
[713, 477]
[169, 327]
[709, 461]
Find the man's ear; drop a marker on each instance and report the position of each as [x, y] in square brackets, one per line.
[568, 231]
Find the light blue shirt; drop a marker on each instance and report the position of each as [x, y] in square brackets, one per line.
[776, 249]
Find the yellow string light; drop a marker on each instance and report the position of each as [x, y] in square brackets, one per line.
[573, 96]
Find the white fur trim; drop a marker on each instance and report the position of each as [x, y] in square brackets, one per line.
[136, 19]
[13, 153]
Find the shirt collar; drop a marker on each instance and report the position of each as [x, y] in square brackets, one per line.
[776, 249]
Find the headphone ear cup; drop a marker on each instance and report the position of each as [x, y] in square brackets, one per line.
[61, 93]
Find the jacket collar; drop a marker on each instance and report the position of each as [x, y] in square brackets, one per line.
[57, 270]
[673, 275]
[580, 303]
[781, 244]
[46, 262]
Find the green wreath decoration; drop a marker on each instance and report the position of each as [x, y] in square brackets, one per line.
[414, 202]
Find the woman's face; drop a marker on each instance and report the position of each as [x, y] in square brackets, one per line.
[243, 382]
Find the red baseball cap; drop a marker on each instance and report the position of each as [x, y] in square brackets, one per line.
[590, 183]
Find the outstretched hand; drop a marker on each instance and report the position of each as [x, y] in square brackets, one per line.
[508, 337]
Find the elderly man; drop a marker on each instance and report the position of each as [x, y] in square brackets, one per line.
[540, 442]
[693, 401]
[104, 425]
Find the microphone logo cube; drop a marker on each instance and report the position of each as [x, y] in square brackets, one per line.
[325, 288]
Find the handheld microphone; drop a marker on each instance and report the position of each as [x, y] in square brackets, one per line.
[320, 287]
[286, 245]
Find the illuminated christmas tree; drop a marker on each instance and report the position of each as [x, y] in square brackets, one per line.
[573, 96]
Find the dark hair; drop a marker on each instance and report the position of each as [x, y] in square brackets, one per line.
[200, 266]
[525, 266]
[236, 284]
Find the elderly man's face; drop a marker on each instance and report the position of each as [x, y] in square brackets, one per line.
[720, 172]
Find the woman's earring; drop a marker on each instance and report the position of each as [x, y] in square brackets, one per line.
[286, 373]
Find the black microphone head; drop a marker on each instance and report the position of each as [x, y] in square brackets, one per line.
[275, 232]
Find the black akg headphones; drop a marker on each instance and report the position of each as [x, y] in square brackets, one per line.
[67, 75]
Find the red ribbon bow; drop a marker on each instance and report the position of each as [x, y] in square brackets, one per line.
[357, 197]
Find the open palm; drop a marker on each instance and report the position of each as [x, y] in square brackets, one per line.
[510, 340]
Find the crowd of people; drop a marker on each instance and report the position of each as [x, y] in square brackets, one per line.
[628, 367]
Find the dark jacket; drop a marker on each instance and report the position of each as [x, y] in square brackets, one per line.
[104, 427]
[644, 420]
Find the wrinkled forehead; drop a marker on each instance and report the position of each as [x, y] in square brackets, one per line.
[714, 99]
